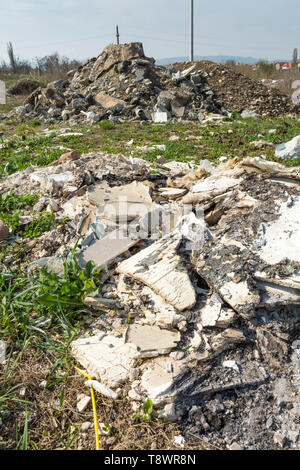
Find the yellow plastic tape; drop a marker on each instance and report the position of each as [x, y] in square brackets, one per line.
[94, 408]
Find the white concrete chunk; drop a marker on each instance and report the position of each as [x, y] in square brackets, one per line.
[105, 358]
[159, 267]
[213, 313]
[282, 237]
[104, 251]
[238, 294]
[151, 341]
[158, 380]
[215, 184]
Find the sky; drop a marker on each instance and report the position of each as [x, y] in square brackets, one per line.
[80, 29]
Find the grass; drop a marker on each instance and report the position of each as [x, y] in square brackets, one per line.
[231, 138]
[25, 302]
[41, 315]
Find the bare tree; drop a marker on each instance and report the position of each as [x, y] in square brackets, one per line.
[230, 62]
[295, 57]
[11, 56]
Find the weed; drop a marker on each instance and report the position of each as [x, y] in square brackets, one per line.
[106, 125]
[38, 226]
[70, 289]
[11, 206]
[147, 412]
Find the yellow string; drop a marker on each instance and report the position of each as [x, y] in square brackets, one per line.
[94, 408]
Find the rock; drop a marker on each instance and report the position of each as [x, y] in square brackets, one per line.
[259, 144]
[82, 402]
[179, 441]
[215, 184]
[51, 264]
[4, 231]
[289, 150]
[172, 193]
[69, 156]
[20, 110]
[159, 378]
[85, 426]
[151, 341]
[121, 203]
[279, 439]
[160, 117]
[168, 413]
[174, 138]
[227, 339]
[231, 365]
[239, 296]
[247, 113]
[214, 313]
[234, 446]
[108, 102]
[282, 236]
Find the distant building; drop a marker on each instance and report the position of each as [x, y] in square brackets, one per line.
[284, 65]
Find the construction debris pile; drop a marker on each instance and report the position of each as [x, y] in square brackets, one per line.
[238, 92]
[201, 294]
[123, 82]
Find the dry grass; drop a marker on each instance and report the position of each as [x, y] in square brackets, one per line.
[54, 422]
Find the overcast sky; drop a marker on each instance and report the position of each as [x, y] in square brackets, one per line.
[82, 28]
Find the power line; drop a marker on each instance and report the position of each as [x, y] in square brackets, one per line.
[192, 30]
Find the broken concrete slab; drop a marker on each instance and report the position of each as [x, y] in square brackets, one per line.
[160, 117]
[151, 341]
[159, 312]
[281, 237]
[239, 296]
[107, 101]
[160, 377]
[102, 389]
[105, 357]
[215, 184]
[226, 340]
[98, 303]
[214, 313]
[160, 267]
[135, 192]
[120, 203]
[172, 193]
[103, 252]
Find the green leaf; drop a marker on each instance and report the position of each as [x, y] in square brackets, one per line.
[148, 406]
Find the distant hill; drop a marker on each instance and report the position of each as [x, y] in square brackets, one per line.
[219, 59]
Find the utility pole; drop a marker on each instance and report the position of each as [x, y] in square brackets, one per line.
[118, 35]
[192, 30]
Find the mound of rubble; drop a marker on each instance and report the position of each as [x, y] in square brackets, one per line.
[123, 82]
[206, 264]
[238, 92]
[23, 87]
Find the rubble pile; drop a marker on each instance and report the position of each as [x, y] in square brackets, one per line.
[238, 92]
[122, 81]
[205, 264]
